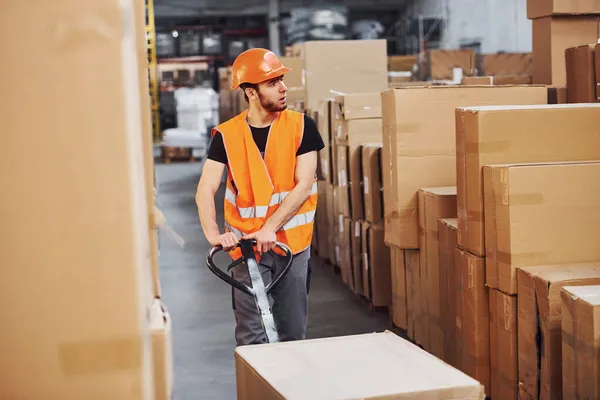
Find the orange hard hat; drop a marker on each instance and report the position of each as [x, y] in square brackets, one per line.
[256, 65]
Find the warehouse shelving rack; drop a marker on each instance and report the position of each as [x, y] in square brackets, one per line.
[153, 70]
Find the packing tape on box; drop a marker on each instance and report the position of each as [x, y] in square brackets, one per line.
[487, 148]
[101, 356]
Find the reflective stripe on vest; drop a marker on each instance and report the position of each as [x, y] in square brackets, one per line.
[261, 211]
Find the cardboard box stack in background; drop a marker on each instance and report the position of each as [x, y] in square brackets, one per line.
[581, 73]
[580, 322]
[557, 26]
[296, 95]
[231, 102]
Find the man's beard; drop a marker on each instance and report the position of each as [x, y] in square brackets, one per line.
[269, 105]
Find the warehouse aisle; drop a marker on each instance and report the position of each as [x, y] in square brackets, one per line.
[200, 304]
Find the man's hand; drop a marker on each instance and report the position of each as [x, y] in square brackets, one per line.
[265, 239]
[227, 240]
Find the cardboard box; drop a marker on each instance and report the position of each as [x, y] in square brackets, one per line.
[343, 185]
[356, 244]
[442, 62]
[476, 318]
[330, 217]
[397, 369]
[501, 64]
[551, 36]
[434, 203]
[325, 131]
[513, 134]
[356, 182]
[581, 74]
[496, 80]
[597, 63]
[503, 346]
[358, 106]
[539, 333]
[580, 311]
[345, 243]
[398, 266]
[402, 63]
[543, 214]
[546, 8]
[76, 266]
[323, 227]
[377, 274]
[419, 151]
[372, 184]
[557, 95]
[293, 79]
[358, 131]
[450, 284]
[331, 67]
[413, 295]
[162, 351]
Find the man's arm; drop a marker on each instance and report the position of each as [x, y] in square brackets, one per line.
[306, 166]
[210, 181]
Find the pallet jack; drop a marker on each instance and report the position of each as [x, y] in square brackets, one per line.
[258, 291]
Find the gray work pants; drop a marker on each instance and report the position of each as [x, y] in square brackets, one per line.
[289, 300]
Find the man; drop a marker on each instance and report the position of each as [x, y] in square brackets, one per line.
[271, 194]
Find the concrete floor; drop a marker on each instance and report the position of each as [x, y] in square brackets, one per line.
[200, 304]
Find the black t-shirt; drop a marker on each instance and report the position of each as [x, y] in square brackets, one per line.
[311, 141]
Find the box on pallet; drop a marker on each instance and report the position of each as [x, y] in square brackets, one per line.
[419, 151]
[539, 329]
[434, 203]
[511, 134]
[450, 286]
[539, 214]
[551, 36]
[397, 369]
[580, 315]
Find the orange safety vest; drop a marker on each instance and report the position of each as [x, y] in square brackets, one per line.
[256, 186]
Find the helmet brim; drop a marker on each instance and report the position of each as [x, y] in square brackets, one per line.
[273, 74]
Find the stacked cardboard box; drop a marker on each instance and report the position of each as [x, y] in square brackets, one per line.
[79, 266]
[231, 102]
[293, 80]
[581, 73]
[580, 323]
[557, 26]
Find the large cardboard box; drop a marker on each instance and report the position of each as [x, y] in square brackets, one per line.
[398, 267]
[377, 274]
[503, 346]
[441, 63]
[450, 284]
[551, 36]
[581, 74]
[355, 181]
[539, 333]
[413, 295]
[293, 79]
[419, 151]
[397, 370]
[356, 248]
[580, 313]
[323, 226]
[539, 214]
[546, 8]
[475, 319]
[511, 134]
[76, 265]
[332, 67]
[434, 203]
[345, 243]
[372, 184]
[343, 184]
[324, 125]
[162, 351]
[358, 131]
[358, 106]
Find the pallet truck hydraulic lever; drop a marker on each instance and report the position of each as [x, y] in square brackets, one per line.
[259, 291]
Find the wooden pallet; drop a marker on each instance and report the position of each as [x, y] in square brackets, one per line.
[171, 154]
